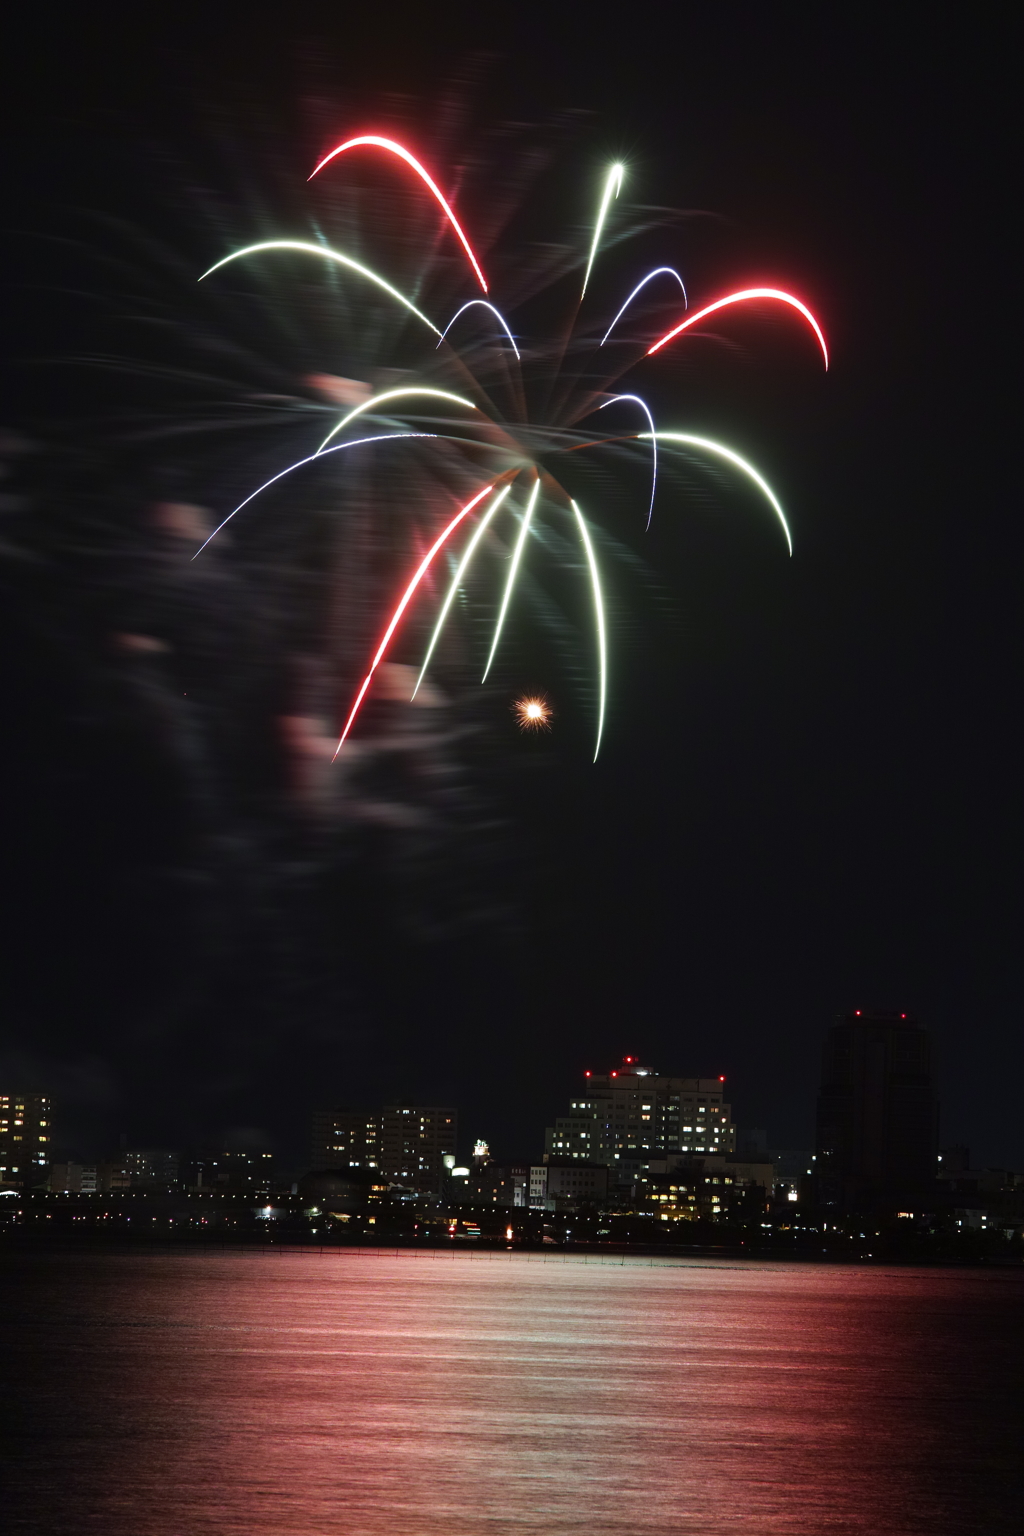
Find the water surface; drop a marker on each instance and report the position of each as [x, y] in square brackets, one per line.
[185, 1394]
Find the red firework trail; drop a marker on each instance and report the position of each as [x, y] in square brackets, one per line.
[376, 142]
[424, 567]
[741, 298]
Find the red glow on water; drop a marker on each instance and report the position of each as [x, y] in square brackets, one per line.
[374, 141]
[742, 297]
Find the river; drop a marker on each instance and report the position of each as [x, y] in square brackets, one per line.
[482, 1393]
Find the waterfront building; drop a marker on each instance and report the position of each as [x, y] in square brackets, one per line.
[153, 1168]
[228, 1172]
[708, 1188]
[87, 1178]
[623, 1118]
[404, 1143]
[345, 1138]
[25, 1139]
[565, 1183]
[415, 1139]
[877, 1115]
[489, 1184]
[792, 1177]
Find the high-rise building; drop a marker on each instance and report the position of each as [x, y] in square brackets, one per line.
[628, 1116]
[414, 1140]
[345, 1138]
[24, 1138]
[877, 1135]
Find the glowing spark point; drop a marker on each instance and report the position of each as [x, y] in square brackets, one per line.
[485, 523]
[499, 317]
[422, 570]
[516, 557]
[382, 437]
[742, 298]
[533, 714]
[612, 187]
[654, 444]
[376, 142]
[394, 394]
[642, 284]
[330, 255]
[733, 458]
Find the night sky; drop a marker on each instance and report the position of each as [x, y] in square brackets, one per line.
[808, 798]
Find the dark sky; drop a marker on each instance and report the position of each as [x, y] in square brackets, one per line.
[809, 795]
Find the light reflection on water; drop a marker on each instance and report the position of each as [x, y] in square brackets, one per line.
[366, 1395]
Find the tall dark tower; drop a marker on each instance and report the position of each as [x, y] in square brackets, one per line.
[877, 1117]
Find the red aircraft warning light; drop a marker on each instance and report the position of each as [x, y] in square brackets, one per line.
[721, 1079]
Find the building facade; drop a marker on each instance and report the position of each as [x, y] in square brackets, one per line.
[25, 1138]
[88, 1178]
[228, 1172]
[622, 1119]
[877, 1130]
[710, 1188]
[415, 1139]
[566, 1183]
[153, 1167]
[404, 1143]
[345, 1138]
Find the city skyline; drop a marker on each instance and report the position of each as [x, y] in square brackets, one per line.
[789, 815]
[877, 1127]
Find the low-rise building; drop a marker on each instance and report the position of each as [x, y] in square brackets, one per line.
[234, 1172]
[87, 1178]
[565, 1184]
[704, 1188]
[153, 1168]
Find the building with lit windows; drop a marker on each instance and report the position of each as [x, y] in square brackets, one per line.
[704, 1189]
[345, 1138]
[24, 1139]
[877, 1131]
[404, 1143]
[414, 1141]
[153, 1167]
[237, 1172]
[622, 1119]
[88, 1178]
[566, 1184]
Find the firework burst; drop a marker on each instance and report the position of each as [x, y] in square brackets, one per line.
[491, 409]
